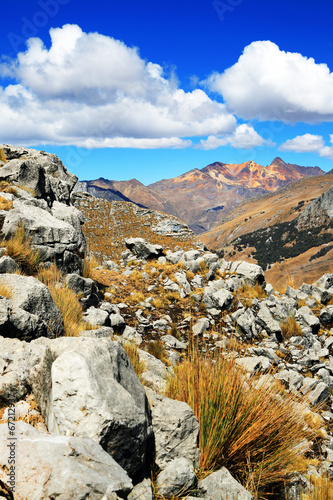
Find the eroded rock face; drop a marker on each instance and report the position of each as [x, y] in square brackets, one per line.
[66, 467]
[176, 430]
[43, 206]
[31, 311]
[142, 249]
[95, 374]
[40, 171]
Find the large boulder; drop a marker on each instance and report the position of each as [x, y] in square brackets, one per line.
[88, 387]
[176, 430]
[42, 172]
[144, 250]
[31, 311]
[54, 236]
[252, 273]
[49, 466]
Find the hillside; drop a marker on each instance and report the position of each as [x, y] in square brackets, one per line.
[289, 224]
[114, 375]
[202, 197]
[109, 223]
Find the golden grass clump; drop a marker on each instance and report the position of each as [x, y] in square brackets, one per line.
[6, 187]
[68, 304]
[251, 291]
[247, 427]
[89, 264]
[5, 204]
[5, 291]
[157, 349]
[290, 328]
[321, 488]
[3, 156]
[20, 249]
[132, 352]
[65, 299]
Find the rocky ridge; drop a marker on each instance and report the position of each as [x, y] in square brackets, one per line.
[202, 197]
[80, 399]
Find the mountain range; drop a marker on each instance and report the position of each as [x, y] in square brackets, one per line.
[203, 197]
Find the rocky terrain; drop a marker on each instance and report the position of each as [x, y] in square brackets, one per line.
[203, 197]
[288, 232]
[87, 353]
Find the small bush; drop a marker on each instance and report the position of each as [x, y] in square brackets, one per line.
[157, 349]
[290, 328]
[19, 248]
[250, 429]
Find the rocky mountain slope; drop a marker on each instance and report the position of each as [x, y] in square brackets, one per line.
[108, 224]
[283, 220]
[203, 197]
[87, 355]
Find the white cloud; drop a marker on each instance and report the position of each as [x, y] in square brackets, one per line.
[306, 143]
[309, 143]
[89, 89]
[270, 84]
[243, 137]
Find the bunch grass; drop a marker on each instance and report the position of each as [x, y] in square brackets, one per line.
[20, 249]
[259, 435]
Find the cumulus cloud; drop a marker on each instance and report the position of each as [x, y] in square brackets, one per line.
[243, 137]
[91, 90]
[309, 143]
[270, 84]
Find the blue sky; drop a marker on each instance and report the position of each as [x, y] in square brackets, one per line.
[148, 89]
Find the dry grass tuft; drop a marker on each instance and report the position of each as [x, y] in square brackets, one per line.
[132, 352]
[89, 264]
[19, 248]
[157, 349]
[5, 204]
[3, 156]
[290, 328]
[6, 187]
[321, 489]
[5, 291]
[66, 300]
[251, 291]
[70, 308]
[257, 434]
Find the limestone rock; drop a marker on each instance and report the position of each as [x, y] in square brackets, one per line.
[221, 485]
[50, 466]
[40, 316]
[176, 430]
[176, 479]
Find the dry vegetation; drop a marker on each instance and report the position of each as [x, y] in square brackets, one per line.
[5, 204]
[66, 300]
[5, 291]
[20, 249]
[109, 223]
[290, 328]
[248, 428]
